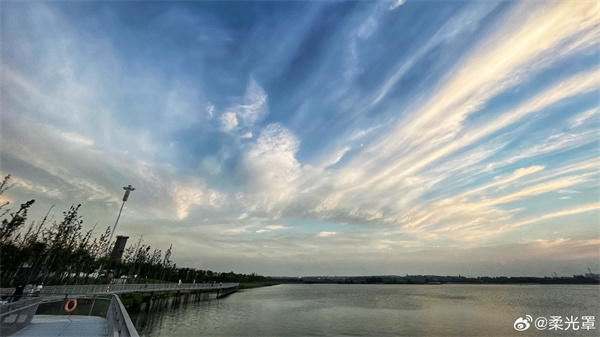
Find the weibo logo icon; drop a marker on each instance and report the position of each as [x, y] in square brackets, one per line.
[522, 324]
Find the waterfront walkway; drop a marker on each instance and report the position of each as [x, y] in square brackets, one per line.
[136, 288]
[219, 288]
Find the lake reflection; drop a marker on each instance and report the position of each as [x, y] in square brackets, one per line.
[372, 310]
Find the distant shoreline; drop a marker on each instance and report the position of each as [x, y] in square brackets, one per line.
[436, 279]
[253, 285]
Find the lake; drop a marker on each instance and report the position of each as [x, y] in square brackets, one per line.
[380, 310]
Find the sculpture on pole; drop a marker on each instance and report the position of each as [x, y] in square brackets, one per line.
[128, 189]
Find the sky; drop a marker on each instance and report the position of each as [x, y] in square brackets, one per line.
[313, 138]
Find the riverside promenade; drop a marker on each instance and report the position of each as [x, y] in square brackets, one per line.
[219, 288]
[87, 310]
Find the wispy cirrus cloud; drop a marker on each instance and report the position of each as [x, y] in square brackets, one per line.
[242, 116]
[430, 135]
[585, 116]
[271, 228]
[401, 131]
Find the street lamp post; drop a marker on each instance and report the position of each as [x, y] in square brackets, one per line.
[127, 189]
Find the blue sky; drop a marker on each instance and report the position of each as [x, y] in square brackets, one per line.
[304, 138]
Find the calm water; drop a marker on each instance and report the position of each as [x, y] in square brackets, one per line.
[375, 310]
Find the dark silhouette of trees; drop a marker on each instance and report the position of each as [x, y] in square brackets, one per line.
[59, 252]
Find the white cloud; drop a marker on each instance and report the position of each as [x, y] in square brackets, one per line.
[43, 147]
[335, 157]
[254, 105]
[276, 227]
[76, 139]
[242, 116]
[500, 63]
[186, 195]
[31, 187]
[557, 143]
[396, 4]
[584, 117]
[272, 168]
[431, 180]
[235, 231]
[474, 218]
[367, 28]
[210, 110]
[271, 228]
[569, 211]
[454, 28]
[382, 175]
[229, 121]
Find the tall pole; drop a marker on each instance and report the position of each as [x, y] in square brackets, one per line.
[127, 189]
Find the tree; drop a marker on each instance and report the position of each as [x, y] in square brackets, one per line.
[3, 187]
[17, 219]
[61, 252]
[63, 238]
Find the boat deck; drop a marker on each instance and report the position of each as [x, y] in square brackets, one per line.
[54, 325]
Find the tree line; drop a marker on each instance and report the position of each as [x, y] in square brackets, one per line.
[53, 252]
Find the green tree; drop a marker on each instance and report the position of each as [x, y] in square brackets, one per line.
[10, 226]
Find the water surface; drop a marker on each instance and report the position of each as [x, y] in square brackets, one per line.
[374, 310]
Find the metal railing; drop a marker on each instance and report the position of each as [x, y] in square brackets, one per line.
[132, 288]
[16, 315]
[107, 306]
[118, 321]
[126, 288]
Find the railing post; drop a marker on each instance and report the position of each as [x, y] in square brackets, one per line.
[92, 306]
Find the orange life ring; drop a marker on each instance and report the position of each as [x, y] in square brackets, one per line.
[68, 308]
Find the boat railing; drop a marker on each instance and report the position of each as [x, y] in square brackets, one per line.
[108, 306]
[17, 314]
[118, 321]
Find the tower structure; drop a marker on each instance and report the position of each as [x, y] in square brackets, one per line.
[117, 253]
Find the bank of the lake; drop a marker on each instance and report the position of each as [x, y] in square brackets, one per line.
[257, 285]
[134, 301]
[372, 310]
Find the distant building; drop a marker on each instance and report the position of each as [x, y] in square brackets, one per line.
[119, 248]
